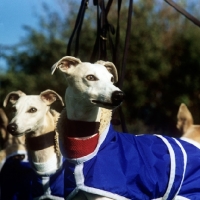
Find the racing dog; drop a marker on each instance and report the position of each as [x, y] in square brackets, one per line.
[42, 176]
[102, 163]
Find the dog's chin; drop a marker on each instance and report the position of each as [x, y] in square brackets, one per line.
[106, 105]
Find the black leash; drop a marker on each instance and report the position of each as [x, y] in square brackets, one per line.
[184, 12]
[127, 42]
[124, 59]
[77, 28]
[100, 47]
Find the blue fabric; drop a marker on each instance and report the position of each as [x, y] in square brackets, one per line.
[18, 181]
[135, 167]
[191, 185]
[15, 179]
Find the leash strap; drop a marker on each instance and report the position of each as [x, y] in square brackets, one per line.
[183, 12]
[100, 46]
[123, 66]
[77, 28]
[127, 42]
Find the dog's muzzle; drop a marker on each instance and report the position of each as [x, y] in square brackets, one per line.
[12, 129]
[117, 98]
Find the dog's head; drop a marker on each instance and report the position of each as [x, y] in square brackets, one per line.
[29, 110]
[91, 84]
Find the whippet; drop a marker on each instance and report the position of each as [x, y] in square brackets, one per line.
[34, 118]
[105, 164]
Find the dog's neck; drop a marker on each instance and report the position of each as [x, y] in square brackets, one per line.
[42, 146]
[81, 134]
[80, 110]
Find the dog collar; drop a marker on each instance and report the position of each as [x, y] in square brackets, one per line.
[81, 128]
[79, 147]
[80, 138]
[40, 142]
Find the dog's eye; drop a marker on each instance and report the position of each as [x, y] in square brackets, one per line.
[91, 78]
[32, 110]
[112, 79]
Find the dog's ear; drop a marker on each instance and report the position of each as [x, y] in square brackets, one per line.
[12, 97]
[184, 118]
[110, 67]
[50, 96]
[65, 63]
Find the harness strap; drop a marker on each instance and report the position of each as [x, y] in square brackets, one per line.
[178, 163]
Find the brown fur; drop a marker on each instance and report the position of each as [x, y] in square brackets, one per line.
[185, 124]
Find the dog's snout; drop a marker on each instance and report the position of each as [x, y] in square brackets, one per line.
[12, 128]
[117, 97]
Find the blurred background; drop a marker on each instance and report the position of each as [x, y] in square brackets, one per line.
[163, 60]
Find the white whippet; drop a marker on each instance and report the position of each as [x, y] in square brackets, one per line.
[87, 89]
[87, 93]
[34, 118]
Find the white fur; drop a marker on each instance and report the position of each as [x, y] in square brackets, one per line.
[81, 94]
[27, 121]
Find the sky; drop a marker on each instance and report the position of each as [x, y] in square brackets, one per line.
[16, 13]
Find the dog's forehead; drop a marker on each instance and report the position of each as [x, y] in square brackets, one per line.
[29, 100]
[89, 68]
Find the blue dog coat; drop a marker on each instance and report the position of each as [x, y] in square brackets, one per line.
[19, 181]
[125, 166]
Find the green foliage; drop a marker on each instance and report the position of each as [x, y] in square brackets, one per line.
[162, 69]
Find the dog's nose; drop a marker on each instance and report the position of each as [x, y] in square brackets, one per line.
[11, 128]
[117, 97]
